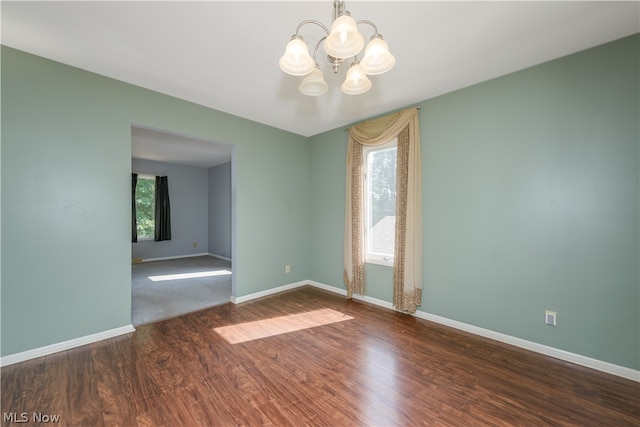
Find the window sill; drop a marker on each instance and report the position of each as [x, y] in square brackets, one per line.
[379, 261]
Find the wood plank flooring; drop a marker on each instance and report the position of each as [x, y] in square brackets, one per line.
[380, 368]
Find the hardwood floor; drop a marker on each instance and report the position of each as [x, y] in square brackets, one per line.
[380, 368]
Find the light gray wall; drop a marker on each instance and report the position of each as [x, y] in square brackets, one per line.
[531, 202]
[220, 210]
[188, 194]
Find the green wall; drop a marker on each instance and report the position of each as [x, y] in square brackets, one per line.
[531, 202]
[66, 163]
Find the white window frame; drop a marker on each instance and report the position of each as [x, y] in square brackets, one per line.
[372, 257]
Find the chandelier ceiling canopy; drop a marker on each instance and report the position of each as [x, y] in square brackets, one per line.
[344, 41]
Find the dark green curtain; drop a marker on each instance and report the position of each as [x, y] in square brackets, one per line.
[134, 224]
[163, 210]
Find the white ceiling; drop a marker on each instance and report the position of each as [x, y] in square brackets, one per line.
[224, 54]
[169, 147]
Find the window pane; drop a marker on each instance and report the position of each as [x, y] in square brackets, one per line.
[381, 199]
[145, 207]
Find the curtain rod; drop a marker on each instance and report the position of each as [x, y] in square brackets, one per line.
[418, 107]
[149, 175]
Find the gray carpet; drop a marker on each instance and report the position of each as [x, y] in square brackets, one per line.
[173, 293]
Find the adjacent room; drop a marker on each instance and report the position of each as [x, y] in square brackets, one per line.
[181, 249]
[335, 213]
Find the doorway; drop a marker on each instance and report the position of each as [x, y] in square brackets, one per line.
[193, 270]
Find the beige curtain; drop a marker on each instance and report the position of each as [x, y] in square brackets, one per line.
[407, 268]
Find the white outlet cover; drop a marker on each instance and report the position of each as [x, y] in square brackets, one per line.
[550, 317]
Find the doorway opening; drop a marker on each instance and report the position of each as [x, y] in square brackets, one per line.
[194, 269]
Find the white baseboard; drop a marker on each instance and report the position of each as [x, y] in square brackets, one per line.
[578, 359]
[365, 298]
[64, 345]
[173, 257]
[588, 362]
[186, 256]
[224, 258]
[245, 298]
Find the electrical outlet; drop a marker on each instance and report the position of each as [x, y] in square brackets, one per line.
[550, 317]
[287, 268]
[195, 244]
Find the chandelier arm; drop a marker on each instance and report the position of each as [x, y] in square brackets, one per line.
[365, 21]
[315, 51]
[311, 21]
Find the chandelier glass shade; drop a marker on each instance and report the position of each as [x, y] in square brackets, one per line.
[314, 84]
[296, 60]
[357, 81]
[377, 59]
[342, 42]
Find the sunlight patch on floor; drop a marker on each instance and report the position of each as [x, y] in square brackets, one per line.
[189, 275]
[249, 331]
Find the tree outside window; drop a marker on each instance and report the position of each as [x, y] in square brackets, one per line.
[380, 202]
[145, 207]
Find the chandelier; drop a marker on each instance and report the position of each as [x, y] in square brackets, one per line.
[342, 42]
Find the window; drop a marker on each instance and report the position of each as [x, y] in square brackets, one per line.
[145, 207]
[380, 202]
